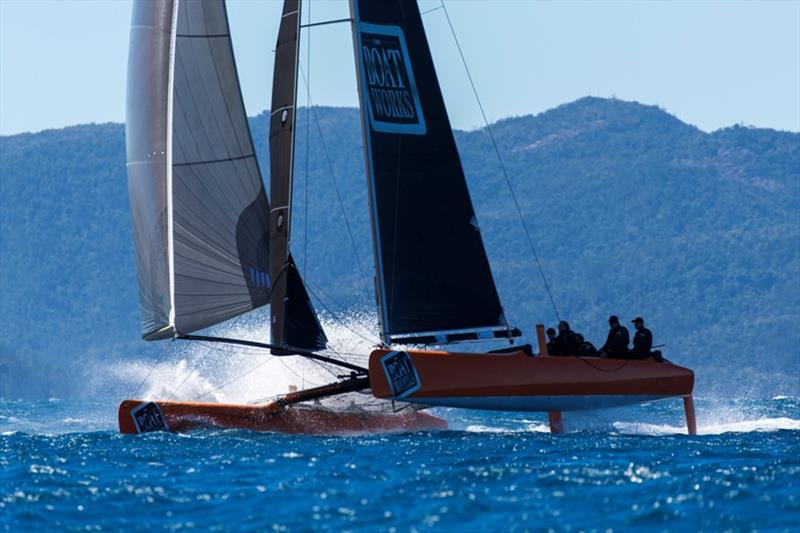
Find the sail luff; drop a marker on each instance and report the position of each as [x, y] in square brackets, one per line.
[147, 143]
[170, 200]
[379, 287]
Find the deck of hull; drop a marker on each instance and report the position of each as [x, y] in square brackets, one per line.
[273, 417]
[517, 382]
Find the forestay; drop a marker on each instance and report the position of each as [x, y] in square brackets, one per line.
[198, 204]
[433, 278]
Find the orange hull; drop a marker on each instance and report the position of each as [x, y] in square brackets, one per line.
[522, 383]
[182, 416]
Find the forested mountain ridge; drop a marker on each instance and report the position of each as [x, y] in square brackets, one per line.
[632, 212]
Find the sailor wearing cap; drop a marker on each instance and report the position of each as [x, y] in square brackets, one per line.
[642, 340]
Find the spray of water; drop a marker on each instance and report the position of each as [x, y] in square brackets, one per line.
[214, 372]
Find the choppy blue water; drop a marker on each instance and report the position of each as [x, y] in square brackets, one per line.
[65, 467]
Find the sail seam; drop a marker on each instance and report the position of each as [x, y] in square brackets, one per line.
[209, 161]
[201, 35]
[324, 22]
[231, 123]
[217, 125]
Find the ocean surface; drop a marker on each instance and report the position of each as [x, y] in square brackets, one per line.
[65, 467]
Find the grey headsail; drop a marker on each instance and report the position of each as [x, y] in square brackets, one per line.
[199, 209]
[434, 281]
[294, 322]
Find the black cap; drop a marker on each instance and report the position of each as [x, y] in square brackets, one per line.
[613, 319]
[638, 319]
[550, 330]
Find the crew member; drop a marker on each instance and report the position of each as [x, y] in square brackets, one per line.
[552, 343]
[616, 346]
[567, 341]
[642, 340]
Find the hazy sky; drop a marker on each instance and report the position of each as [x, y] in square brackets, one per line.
[712, 63]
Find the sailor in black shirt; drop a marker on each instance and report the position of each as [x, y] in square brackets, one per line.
[642, 340]
[616, 346]
[567, 342]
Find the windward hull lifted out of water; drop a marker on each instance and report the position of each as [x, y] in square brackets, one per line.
[519, 382]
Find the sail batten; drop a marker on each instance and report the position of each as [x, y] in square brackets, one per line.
[198, 202]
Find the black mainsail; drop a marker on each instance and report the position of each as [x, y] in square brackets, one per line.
[198, 205]
[294, 322]
[434, 284]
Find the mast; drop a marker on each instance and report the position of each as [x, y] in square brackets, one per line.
[294, 323]
[365, 139]
[433, 280]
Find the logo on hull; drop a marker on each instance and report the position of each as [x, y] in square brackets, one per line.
[389, 86]
[400, 373]
[148, 417]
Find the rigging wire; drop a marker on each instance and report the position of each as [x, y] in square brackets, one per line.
[190, 374]
[431, 10]
[502, 164]
[308, 128]
[294, 351]
[234, 380]
[336, 187]
[245, 351]
[366, 327]
[150, 372]
[338, 318]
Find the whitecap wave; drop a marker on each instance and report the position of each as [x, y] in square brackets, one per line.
[743, 426]
[531, 428]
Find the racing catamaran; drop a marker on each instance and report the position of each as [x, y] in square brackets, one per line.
[210, 247]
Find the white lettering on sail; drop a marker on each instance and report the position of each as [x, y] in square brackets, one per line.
[390, 91]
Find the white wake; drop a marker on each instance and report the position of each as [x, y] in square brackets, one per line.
[743, 426]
